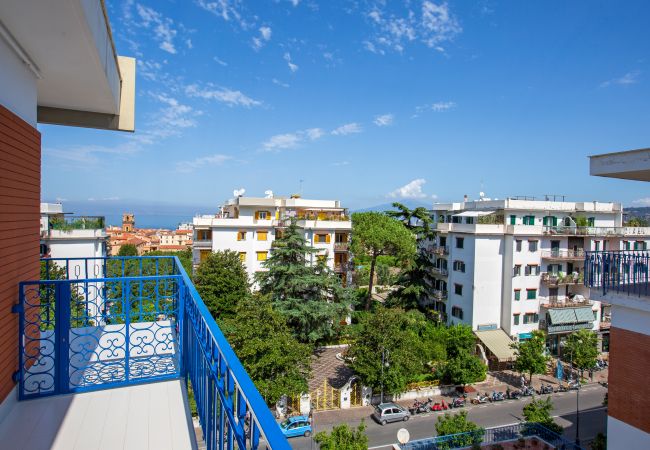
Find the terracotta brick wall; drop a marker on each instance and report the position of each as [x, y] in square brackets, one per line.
[20, 192]
[629, 368]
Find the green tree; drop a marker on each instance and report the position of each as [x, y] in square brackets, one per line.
[275, 361]
[343, 437]
[539, 411]
[460, 339]
[463, 369]
[417, 220]
[51, 271]
[184, 256]
[385, 331]
[454, 424]
[581, 347]
[375, 234]
[531, 354]
[310, 296]
[599, 442]
[128, 250]
[222, 282]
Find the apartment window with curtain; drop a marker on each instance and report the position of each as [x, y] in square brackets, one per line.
[517, 270]
[204, 235]
[591, 222]
[262, 215]
[626, 245]
[457, 312]
[531, 294]
[532, 246]
[241, 235]
[262, 256]
[459, 266]
[549, 221]
[518, 245]
[321, 238]
[532, 270]
[529, 220]
[516, 319]
[460, 242]
[262, 235]
[531, 318]
[517, 295]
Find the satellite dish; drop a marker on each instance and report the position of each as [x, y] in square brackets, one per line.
[403, 436]
[268, 194]
[239, 192]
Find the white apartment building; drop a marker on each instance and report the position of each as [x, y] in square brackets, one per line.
[175, 238]
[518, 264]
[67, 236]
[249, 225]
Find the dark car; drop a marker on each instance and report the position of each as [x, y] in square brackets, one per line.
[390, 412]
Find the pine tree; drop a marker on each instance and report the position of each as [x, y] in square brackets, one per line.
[309, 296]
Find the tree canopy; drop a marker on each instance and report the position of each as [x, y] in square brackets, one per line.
[309, 295]
[343, 437]
[581, 347]
[531, 354]
[375, 234]
[275, 361]
[184, 256]
[128, 250]
[539, 411]
[451, 424]
[222, 282]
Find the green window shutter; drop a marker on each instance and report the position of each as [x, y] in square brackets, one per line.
[554, 221]
[531, 294]
[545, 221]
[513, 219]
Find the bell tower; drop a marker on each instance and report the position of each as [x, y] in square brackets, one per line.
[128, 222]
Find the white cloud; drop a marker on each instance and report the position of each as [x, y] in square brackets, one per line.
[292, 140]
[293, 67]
[264, 37]
[384, 120]
[411, 190]
[220, 61]
[642, 201]
[265, 32]
[175, 114]
[627, 79]
[226, 9]
[442, 106]
[348, 128]
[188, 42]
[90, 154]
[221, 94]
[341, 163]
[279, 83]
[433, 24]
[198, 163]
[162, 27]
[295, 2]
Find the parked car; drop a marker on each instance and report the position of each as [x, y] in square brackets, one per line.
[296, 426]
[390, 412]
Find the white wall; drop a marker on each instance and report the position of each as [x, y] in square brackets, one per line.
[623, 436]
[488, 259]
[18, 91]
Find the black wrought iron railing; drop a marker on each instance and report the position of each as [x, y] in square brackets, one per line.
[620, 271]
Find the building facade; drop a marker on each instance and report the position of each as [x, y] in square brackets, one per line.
[622, 279]
[250, 225]
[518, 264]
[64, 236]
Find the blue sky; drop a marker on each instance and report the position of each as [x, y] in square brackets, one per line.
[366, 102]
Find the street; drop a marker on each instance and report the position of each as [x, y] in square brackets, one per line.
[593, 419]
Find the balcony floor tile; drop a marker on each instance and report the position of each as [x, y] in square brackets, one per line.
[147, 416]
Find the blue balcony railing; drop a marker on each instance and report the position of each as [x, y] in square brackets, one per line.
[495, 435]
[620, 271]
[99, 323]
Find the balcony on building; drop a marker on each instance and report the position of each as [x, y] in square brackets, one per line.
[620, 277]
[106, 361]
[554, 279]
[62, 227]
[564, 255]
[440, 294]
[202, 238]
[440, 271]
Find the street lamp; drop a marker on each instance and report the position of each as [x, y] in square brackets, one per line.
[384, 362]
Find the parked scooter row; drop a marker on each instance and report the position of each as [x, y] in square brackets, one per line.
[428, 406]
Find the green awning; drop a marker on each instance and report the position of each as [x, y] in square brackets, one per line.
[559, 316]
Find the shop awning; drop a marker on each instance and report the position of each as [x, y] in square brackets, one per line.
[561, 316]
[498, 342]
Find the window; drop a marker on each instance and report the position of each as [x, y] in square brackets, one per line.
[469, 220]
[456, 219]
[459, 266]
[549, 221]
[457, 312]
[203, 235]
[261, 256]
[518, 245]
[241, 235]
[517, 270]
[529, 220]
[626, 245]
[513, 219]
[532, 269]
[595, 315]
[341, 238]
[531, 318]
[443, 241]
[242, 256]
[516, 319]
[517, 295]
[204, 254]
[591, 222]
[458, 289]
[262, 235]
[532, 246]
[640, 245]
[531, 294]
[262, 215]
[322, 238]
[597, 246]
[460, 242]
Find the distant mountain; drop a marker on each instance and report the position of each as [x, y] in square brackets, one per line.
[388, 206]
[642, 212]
